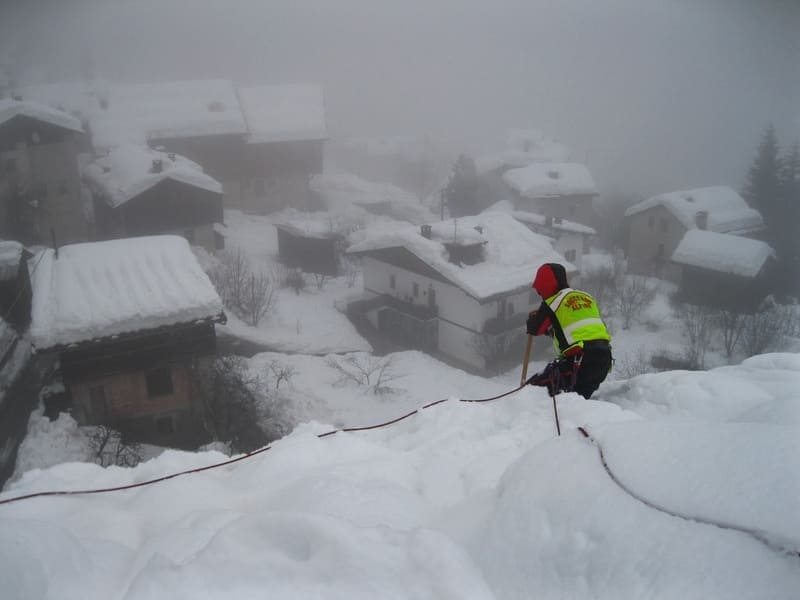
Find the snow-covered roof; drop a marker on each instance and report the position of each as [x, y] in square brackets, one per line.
[100, 289]
[523, 147]
[10, 108]
[10, 256]
[283, 113]
[723, 253]
[125, 172]
[727, 211]
[536, 219]
[512, 252]
[176, 109]
[543, 180]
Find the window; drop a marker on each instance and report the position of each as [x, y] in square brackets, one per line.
[570, 255]
[415, 287]
[651, 222]
[97, 401]
[509, 308]
[392, 281]
[258, 187]
[165, 425]
[159, 382]
[61, 188]
[664, 224]
[660, 252]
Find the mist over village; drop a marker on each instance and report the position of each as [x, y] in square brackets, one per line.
[348, 299]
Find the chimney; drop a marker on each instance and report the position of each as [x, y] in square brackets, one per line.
[158, 166]
[425, 230]
[701, 219]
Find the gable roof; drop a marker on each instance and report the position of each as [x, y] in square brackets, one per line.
[125, 172]
[10, 108]
[100, 289]
[523, 147]
[727, 210]
[537, 220]
[512, 252]
[283, 113]
[176, 109]
[548, 180]
[723, 253]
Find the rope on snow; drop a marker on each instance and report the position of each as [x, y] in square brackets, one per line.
[239, 458]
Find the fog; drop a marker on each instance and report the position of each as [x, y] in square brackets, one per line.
[654, 95]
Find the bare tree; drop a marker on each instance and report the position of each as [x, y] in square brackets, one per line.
[351, 271]
[320, 279]
[730, 326]
[498, 349]
[230, 395]
[604, 282]
[250, 296]
[258, 299]
[108, 447]
[763, 330]
[280, 373]
[633, 297]
[697, 327]
[633, 363]
[365, 370]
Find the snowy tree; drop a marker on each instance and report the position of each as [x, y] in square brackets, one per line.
[763, 187]
[462, 191]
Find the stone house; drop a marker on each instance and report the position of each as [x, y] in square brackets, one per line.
[40, 185]
[657, 225]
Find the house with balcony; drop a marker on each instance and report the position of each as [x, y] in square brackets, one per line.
[131, 322]
[559, 190]
[459, 289]
[658, 225]
[139, 191]
[40, 186]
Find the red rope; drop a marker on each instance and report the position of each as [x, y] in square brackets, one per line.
[242, 457]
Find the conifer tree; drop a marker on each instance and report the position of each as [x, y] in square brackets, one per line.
[462, 190]
[763, 187]
[789, 245]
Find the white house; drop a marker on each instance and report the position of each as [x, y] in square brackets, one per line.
[460, 288]
[558, 190]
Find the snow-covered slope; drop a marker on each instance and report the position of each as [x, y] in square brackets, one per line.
[461, 500]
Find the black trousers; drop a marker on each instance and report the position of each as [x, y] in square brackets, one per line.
[562, 376]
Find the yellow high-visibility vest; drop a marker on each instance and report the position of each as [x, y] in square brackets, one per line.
[578, 319]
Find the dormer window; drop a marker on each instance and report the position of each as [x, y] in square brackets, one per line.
[216, 106]
[553, 174]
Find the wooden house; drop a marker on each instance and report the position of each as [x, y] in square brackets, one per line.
[724, 271]
[138, 191]
[310, 249]
[459, 289]
[132, 323]
[40, 186]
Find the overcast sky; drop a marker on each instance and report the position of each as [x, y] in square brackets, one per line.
[654, 95]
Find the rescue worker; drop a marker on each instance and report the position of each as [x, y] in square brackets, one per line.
[572, 319]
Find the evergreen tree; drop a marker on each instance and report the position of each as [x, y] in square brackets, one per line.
[462, 191]
[789, 244]
[763, 187]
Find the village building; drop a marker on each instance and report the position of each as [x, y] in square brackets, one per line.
[262, 143]
[459, 289]
[15, 285]
[724, 271]
[284, 146]
[570, 239]
[309, 245]
[657, 225]
[40, 186]
[131, 322]
[557, 190]
[138, 191]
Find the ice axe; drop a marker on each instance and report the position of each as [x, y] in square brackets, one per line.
[526, 359]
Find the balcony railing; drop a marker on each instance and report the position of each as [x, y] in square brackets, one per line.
[502, 324]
